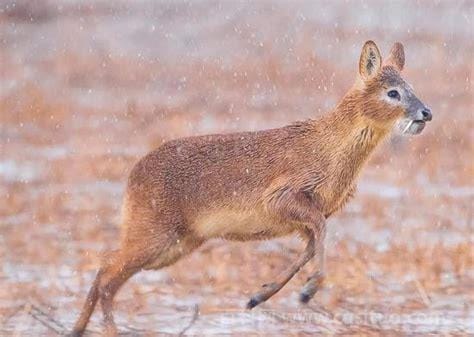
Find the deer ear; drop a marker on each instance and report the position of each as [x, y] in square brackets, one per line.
[370, 60]
[397, 56]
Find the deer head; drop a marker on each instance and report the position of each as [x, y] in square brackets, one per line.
[387, 97]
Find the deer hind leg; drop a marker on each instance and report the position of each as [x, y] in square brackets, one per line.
[88, 308]
[178, 248]
[148, 255]
[113, 277]
[294, 207]
[114, 271]
[140, 252]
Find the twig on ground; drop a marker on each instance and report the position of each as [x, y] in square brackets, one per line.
[321, 310]
[275, 314]
[193, 320]
[421, 290]
[13, 313]
[45, 319]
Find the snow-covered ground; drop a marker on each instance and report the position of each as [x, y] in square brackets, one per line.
[87, 87]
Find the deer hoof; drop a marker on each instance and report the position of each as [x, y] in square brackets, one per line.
[268, 290]
[304, 297]
[253, 303]
[313, 284]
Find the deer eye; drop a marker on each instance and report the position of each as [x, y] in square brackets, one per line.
[393, 94]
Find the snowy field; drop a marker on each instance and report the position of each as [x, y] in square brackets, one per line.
[88, 87]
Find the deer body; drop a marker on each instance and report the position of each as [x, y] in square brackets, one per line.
[252, 186]
[225, 185]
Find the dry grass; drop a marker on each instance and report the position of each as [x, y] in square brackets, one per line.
[74, 119]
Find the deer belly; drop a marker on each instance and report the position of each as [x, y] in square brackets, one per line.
[239, 225]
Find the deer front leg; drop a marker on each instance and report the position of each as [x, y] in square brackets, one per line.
[301, 209]
[315, 281]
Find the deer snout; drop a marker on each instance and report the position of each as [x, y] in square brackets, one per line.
[426, 113]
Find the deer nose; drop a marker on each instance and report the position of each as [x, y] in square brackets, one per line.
[426, 113]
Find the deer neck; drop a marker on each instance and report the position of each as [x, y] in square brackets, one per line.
[350, 138]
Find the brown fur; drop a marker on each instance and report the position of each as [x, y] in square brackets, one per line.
[247, 186]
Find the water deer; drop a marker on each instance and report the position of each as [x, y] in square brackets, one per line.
[256, 185]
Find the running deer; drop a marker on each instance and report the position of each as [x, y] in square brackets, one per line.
[256, 185]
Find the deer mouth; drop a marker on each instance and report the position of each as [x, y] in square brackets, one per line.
[412, 126]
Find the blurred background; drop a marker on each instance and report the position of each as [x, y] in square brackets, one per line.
[88, 87]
